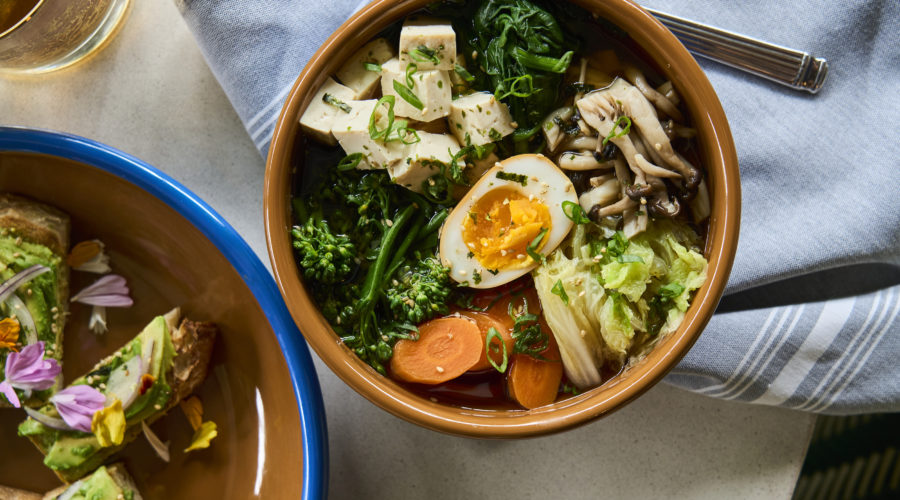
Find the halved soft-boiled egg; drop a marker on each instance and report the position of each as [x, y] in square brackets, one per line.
[510, 218]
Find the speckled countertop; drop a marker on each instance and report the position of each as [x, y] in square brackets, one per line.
[151, 94]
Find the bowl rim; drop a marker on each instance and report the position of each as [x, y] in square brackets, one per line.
[710, 120]
[307, 392]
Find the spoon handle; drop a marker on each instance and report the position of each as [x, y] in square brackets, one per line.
[793, 68]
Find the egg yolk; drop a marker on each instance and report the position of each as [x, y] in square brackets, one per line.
[501, 225]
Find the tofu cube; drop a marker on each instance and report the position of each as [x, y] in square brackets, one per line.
[429, 43]
[319, 116]
[354, 74]
[425, 159]
[352, 131]
[481, 117]
[431, 87]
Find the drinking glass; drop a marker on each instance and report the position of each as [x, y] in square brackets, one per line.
[37, 36]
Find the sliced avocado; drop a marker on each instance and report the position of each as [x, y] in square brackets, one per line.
[70, 451]
[98, 486]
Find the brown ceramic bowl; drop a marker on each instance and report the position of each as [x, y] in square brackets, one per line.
[175, 250]
[717, 154]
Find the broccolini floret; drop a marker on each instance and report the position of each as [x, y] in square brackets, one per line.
[420, 291]
[324, 256]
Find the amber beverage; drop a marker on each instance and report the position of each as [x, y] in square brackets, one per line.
[37, 36]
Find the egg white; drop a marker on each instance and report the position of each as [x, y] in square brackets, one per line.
[546, 183]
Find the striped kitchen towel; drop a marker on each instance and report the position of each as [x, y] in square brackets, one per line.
[810, 319]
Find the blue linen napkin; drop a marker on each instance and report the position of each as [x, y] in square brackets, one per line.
[810, 317]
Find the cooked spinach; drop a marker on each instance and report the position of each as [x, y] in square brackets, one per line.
[517, 41]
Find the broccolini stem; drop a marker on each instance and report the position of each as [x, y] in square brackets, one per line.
[377, 269]
[435, 223]
[404, 246]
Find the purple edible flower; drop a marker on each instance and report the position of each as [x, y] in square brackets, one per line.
[109, 291]
[77, 405]
[28, 371]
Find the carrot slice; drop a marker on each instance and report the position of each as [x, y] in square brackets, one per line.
[485, 322]
[447, 348]
[533, 382]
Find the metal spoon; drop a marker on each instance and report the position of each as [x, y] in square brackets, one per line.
[792, 68]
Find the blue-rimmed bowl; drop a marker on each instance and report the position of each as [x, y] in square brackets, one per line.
[175, 250]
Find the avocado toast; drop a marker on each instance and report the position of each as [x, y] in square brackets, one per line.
[33, 234]
[145, 378]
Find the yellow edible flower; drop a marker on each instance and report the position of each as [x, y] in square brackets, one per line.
[193, 410]
[108, 424]
[9, 334]
[203, 436]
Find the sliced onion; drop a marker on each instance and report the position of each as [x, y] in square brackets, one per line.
[51, 422]
[24, 276]
[125, 382]
[24, 316]
[147, 354]
[161, 449]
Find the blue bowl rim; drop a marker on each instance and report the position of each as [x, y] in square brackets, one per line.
[238, 253]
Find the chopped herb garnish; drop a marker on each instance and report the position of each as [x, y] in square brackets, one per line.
[560, 290]
[476, 277]
[529, 337]
[382, 134]
[535, 243]
[495, 348]
[470, 255]
[517, 86]
[395, 130]
[574, 212]
[627, 258]
[408, 95]
[334, 101]
[474, 217]
[625, 129]
[375, 68]
[350, 161]
[509, 176]
[465, 75]
[568, 388]
[493, 271]
[424, 54]
[487, 216]
[617, 245]
[660, 305]
[410, 69]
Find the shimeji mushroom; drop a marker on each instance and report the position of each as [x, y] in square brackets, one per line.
[603, 109]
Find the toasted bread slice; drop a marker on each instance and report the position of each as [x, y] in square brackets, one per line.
[182, 356]
[7, 493]
[112, 482]
[35, 233]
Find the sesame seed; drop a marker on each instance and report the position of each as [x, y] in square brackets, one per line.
[503, 252]
[643, 200]
[157, 407]
[16, 254]
[583, 333]
[520, 256]
[440, 369]
[19, 241]
[462, 272]
[433, 399]
[581, 293]
[388, 222]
